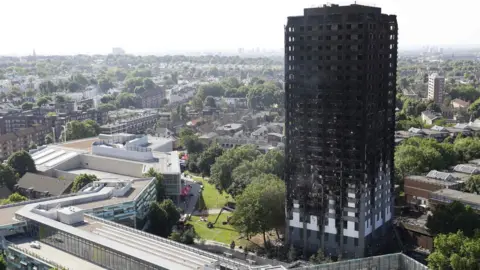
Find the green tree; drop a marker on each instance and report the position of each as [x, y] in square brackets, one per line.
[8, 176]
[221, 171]
[472, 185]
[190, 141]
[212, 89]
[42, 101]
[105, 84]
[3, 262]
[467, 148]
[16, 197]
[82, 180]
[455, 251]
[207, 158]
[159, 187]
[22, 163]
[133, 82]
[79, 130]
[60, 99]
[93, 124]
[260, 208]
[453, 217]
[47, 87]
[474, 108]
[272, 162]
[158, 218]
[210, 101]
[27, 106]
[163, 216]
[106, 107]
[125, 100]
[418, 155]
[74, 86]
[107, 98]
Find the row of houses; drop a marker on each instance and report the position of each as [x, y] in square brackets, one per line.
[424, 193]
[439, 132]
[136, 124]
[22, 139]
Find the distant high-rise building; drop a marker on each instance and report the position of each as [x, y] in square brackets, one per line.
[340, 86]
[436, 88]
[118, 51]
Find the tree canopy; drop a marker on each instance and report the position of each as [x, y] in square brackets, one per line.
[221, 171]
[260, 208]
[455, 251]
[163, 216]
[207, 158]
[453, 217]
[82, 180]
[159, 187]
[22, 163]
[418, 155]
[8, 176]
[270, 163]
[27, 106]
[79, 130]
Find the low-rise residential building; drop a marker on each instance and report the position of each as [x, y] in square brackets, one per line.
[136, 125]
[22, 139]
[417, 188]
[229, 129]
[152, 98]
[459, 104]
[428, 117]
[447, 196]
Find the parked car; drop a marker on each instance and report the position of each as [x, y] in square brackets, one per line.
[35, 245]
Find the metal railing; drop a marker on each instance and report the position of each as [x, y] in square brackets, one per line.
[219, 258]
[34, 256]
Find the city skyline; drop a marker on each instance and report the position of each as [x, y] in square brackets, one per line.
[144, 26]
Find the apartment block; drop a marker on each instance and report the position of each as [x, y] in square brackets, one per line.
[340, 86]
[436, 88]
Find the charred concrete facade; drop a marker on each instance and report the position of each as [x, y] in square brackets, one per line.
[340, 86]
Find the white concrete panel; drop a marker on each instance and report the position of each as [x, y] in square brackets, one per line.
[350, 230]
[330, 228]
[295, 221]
[313, 225]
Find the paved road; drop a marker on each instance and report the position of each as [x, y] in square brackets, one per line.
[191, 201]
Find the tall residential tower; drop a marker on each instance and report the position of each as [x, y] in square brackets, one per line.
[340, 86]
[436, 87]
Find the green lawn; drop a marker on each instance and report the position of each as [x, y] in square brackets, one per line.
[220, 233]
[211, 198]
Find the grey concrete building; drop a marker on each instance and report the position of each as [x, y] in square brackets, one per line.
[340, 86]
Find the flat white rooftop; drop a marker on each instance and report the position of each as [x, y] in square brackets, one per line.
[102, 175]
[62, 258]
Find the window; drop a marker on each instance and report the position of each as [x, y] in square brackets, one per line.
[356, 226]
[309, 28]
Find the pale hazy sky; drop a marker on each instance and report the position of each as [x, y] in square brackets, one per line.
[142, 26]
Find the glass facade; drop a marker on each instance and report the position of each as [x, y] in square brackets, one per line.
[87, 250]
[17, 259]
[172, 184]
